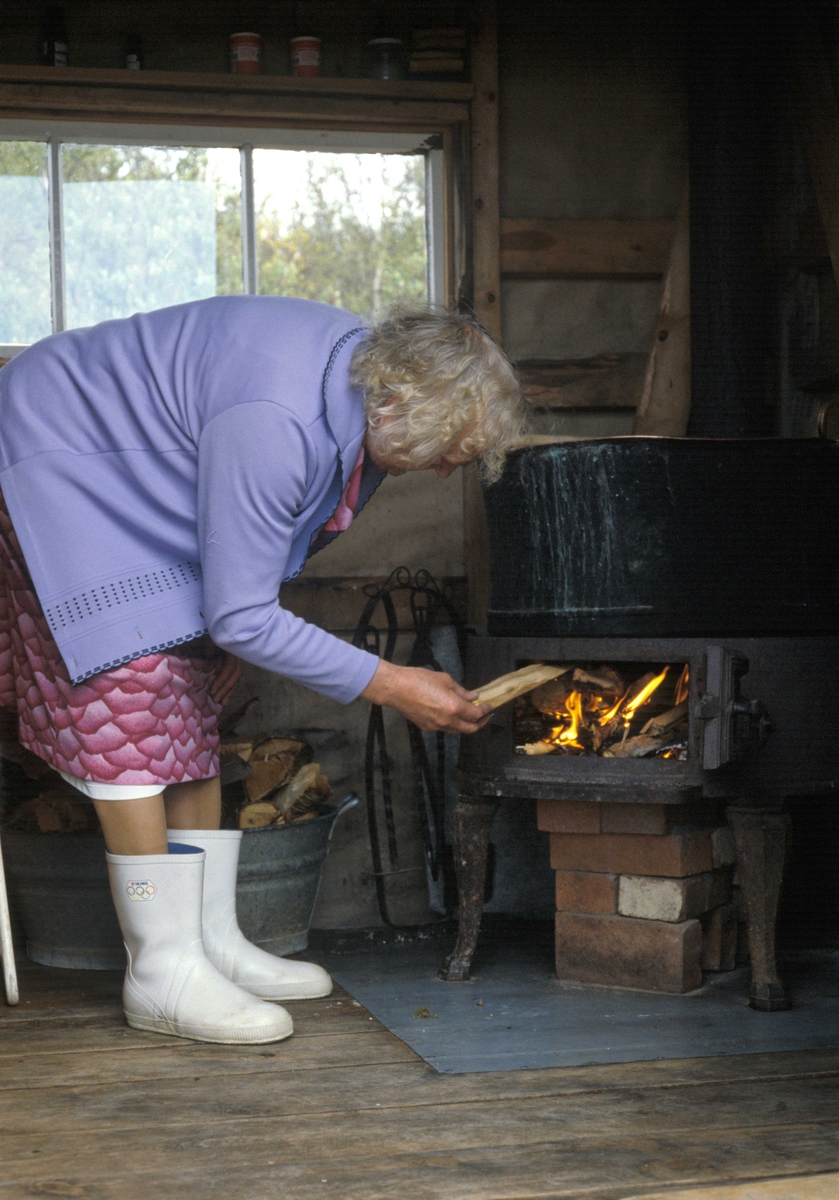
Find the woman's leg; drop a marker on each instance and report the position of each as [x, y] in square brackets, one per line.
[193, 805]
[133, 826]
[139, 826]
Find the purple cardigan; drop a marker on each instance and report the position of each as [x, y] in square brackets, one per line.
[166, 472]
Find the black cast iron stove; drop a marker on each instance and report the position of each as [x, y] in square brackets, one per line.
[708, 565]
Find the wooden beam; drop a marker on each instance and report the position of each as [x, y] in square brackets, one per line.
[562, 249]
[486, 271]
[606, 381]
[819, 115]
[664, 407]
[485, 202]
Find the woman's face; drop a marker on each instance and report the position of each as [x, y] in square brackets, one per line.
[444, 464]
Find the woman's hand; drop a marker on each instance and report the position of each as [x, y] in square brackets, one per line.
[431, 699]
[227, 680]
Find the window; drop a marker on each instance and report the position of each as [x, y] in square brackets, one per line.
[93, 228]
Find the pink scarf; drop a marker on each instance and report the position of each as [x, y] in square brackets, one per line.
[342, 518]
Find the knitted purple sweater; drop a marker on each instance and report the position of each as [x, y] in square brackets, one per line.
[166, 472]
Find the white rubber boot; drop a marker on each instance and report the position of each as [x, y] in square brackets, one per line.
[250, 968]
[170, 985]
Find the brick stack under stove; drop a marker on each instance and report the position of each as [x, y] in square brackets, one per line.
[644, 893]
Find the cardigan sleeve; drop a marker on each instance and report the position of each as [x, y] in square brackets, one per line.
[254, 465]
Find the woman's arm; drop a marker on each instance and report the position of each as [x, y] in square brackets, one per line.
[254, 466]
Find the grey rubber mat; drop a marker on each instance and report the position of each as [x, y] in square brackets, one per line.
[515, 1014]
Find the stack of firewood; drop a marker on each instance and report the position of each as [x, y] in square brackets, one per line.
[54, 810]
[271, 781]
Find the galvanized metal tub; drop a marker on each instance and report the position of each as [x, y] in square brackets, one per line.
[59, 884]
[280, 868]
[60, 887]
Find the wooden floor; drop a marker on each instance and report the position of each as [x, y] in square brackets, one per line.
[345, 1110]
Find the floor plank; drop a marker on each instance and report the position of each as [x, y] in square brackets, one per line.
[262, 1159]
[806, 1187]
[335, 1115]
[345, 1109]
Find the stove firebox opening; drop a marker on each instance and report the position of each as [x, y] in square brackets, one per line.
[611, 710]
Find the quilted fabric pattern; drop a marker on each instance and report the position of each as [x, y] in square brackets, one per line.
[150, 721]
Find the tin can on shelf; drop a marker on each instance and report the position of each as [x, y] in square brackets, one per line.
[245, 51]
[305, 56]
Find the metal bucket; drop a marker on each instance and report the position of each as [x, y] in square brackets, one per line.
[59, 882]
[279, 875]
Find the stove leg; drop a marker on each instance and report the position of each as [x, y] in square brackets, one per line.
[471, 826]
[761, 836]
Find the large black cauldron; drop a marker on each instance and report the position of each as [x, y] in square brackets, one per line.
[666, 537]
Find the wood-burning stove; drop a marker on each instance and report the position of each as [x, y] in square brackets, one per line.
[711, 566]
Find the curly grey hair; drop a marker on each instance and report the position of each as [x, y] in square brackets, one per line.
[434, 374]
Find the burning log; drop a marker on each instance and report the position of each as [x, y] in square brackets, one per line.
[550, 697]
[634, 747]
[656, 726]
[596, 715]
[605, 679]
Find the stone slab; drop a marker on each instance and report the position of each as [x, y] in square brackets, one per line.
[657, 898]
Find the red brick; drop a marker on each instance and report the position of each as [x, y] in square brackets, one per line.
[568, 816]
[634, 818]
[673, 854]
[582, 891]
[719, 939]
[653, 818]
[654, 955]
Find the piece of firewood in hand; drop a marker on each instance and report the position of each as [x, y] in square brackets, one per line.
[257, 816]
[517, 683]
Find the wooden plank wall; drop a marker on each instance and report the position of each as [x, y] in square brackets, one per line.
[486, 270]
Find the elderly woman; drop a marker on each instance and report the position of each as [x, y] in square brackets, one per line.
[162, 476]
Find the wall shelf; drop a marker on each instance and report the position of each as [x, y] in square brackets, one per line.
[92, 93]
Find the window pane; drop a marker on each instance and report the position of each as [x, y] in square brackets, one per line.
[348, 229]
[24, 243]
[145, 227]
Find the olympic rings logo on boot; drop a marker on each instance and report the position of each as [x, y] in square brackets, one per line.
[140, 889]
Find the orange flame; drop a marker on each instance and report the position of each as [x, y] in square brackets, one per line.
[643, 696]
[682, 688]
[567, 733]
[574, 705]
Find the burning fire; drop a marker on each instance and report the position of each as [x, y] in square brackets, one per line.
[593, 720]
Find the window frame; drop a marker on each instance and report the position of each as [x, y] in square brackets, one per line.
[246, 140]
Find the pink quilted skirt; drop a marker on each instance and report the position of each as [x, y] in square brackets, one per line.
[149, 722]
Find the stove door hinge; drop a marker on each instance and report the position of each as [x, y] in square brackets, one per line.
[733, 723]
